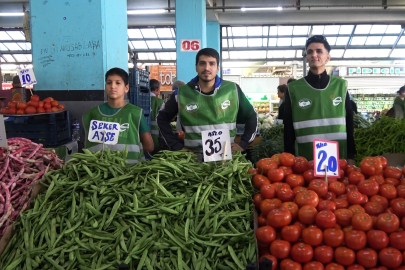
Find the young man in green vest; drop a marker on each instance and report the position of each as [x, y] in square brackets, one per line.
[204, 103]
[134, 131]
[318, 107]
[156, 104]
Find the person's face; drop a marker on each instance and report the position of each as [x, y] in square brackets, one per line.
[207, 68]
[317, 55]
[115, 87]
[280, 95]
[402, 94]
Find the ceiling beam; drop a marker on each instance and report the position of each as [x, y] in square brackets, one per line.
[396, 42]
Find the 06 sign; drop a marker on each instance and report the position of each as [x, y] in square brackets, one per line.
[190, 45]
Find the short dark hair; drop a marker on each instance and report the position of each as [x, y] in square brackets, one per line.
[282, 88]
[120, 72]
[402, 89]
[291, 80]
[207, 52]
[318, 39]
[16, 79]
[154, 84]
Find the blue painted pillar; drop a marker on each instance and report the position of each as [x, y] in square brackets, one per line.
[214, 38]
[190, 24]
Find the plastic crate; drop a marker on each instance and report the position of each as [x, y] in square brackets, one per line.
[142, 100]
[47, 129]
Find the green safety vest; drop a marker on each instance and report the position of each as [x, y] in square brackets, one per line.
[198, 112]
[156, 104]
[319, 114]
[129, 117]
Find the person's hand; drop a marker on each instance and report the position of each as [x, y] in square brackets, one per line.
[350, 162]
[185, 149]
[235, 147]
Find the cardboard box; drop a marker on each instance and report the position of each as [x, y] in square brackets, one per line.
[64, 151]
[396, 160]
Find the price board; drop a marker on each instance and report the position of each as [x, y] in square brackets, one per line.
[27, 76]
[216, 145]
[326, 158]
[104, 132]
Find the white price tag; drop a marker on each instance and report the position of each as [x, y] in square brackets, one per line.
[326, 158]
[214, 145]
[104, 132]
[27, 76]
[3, 138]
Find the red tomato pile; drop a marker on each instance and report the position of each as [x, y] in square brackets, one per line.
[355, 222]
[33, 106]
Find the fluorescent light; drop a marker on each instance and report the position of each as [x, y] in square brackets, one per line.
[264, 8]
[9, 14]
[146, 11]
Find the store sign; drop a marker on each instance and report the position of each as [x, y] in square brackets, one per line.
[216, 144]
[190, 45]
[166, 79]
[326, 158]
[376, 71]
[104, 132]
[3, 138]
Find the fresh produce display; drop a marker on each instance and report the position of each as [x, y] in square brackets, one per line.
[272, 143]
[168, 213]
[356, 222]
[266, 121]
[386, 135]
[359, 121]
[22, 165]
[33, 106]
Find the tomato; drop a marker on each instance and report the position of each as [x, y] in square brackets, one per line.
[325, 219]
[270, 257]
[265, 164]
[334, 266]
[330, 196]
[326, 205]
[287, 170]
[381, 200]
[280, 249]
[285, 194]
[355, 208]
[252, 172]
[343, 164]
[403, 223]
[265, 235]
[308, 197]
[34, 98]
[288, 264]
[362, 222]
[279, 185]
[390, 257]
[287, 159]
[300, 165]
[355, 267]
[389, 210]
[312, 236]
[392, 172]
[371, 166]
[20, 111]
[364, 199]
[345, 181]
[355, 177]
[34, 104]
[294, 180]
[343, 217]
[21, 105]
[297, 190]
[367, 257]
[319, 186]
[368, 187]
[291, 233]
[344, 256]
[323, 254]
[302, 252]
[333, 237]
[341, 174]
[47, 105]
[398, 207]
[377, 239]
[267, 191]
[275, 175]
[397, 240]
[351, 187]
[379, 268]
[374, 218]
[374, 208]
[310, 164]
[262, 221]
[383, 161]
[392, 202]
[41, 104]
[12, 110]
[354, 197]
[277, 218]
[40, 110]
[30, 110]
[337, 187]
[269, 204]
[260, 180]
[54, 103]
[257, 199]
[352, 168]
[387, 222]
[378, 178]
[355, 240]
[292, 207]
[341, 203]
[401, 191]
[308, 175]
[392, 181]
[313, 266]
[307, 214]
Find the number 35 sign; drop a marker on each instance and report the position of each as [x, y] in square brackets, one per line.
[326, 157]
[214, 144]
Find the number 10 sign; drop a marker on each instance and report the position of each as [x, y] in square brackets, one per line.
[326, 158]
[27, 76]
[216, 143]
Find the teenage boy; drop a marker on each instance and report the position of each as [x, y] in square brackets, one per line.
[318, 107]
[134, 131]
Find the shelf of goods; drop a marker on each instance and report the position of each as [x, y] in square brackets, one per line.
[139, 91]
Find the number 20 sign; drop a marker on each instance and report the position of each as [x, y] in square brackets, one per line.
[190, 45]
[326, 158]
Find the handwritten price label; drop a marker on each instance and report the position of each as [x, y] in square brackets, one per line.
[326, 158]
[214, 145]
[27, 76]
[104, 132]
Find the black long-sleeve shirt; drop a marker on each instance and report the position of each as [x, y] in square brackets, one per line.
[246, 115]
[318, 82]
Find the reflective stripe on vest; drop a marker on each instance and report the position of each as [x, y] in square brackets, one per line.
[198, 129]
[325, 136]
[198, 143]
[119, 147]
[320, 122]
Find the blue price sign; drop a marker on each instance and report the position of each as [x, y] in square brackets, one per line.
[27, 76]
[326, 158]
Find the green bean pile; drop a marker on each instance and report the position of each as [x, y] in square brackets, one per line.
[386, 135]
[167, 213]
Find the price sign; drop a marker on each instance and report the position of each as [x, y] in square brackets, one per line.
[326, 158]
[216, 144]
[104, 132]
[27, 76]
[3, 138]
[190, 45]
